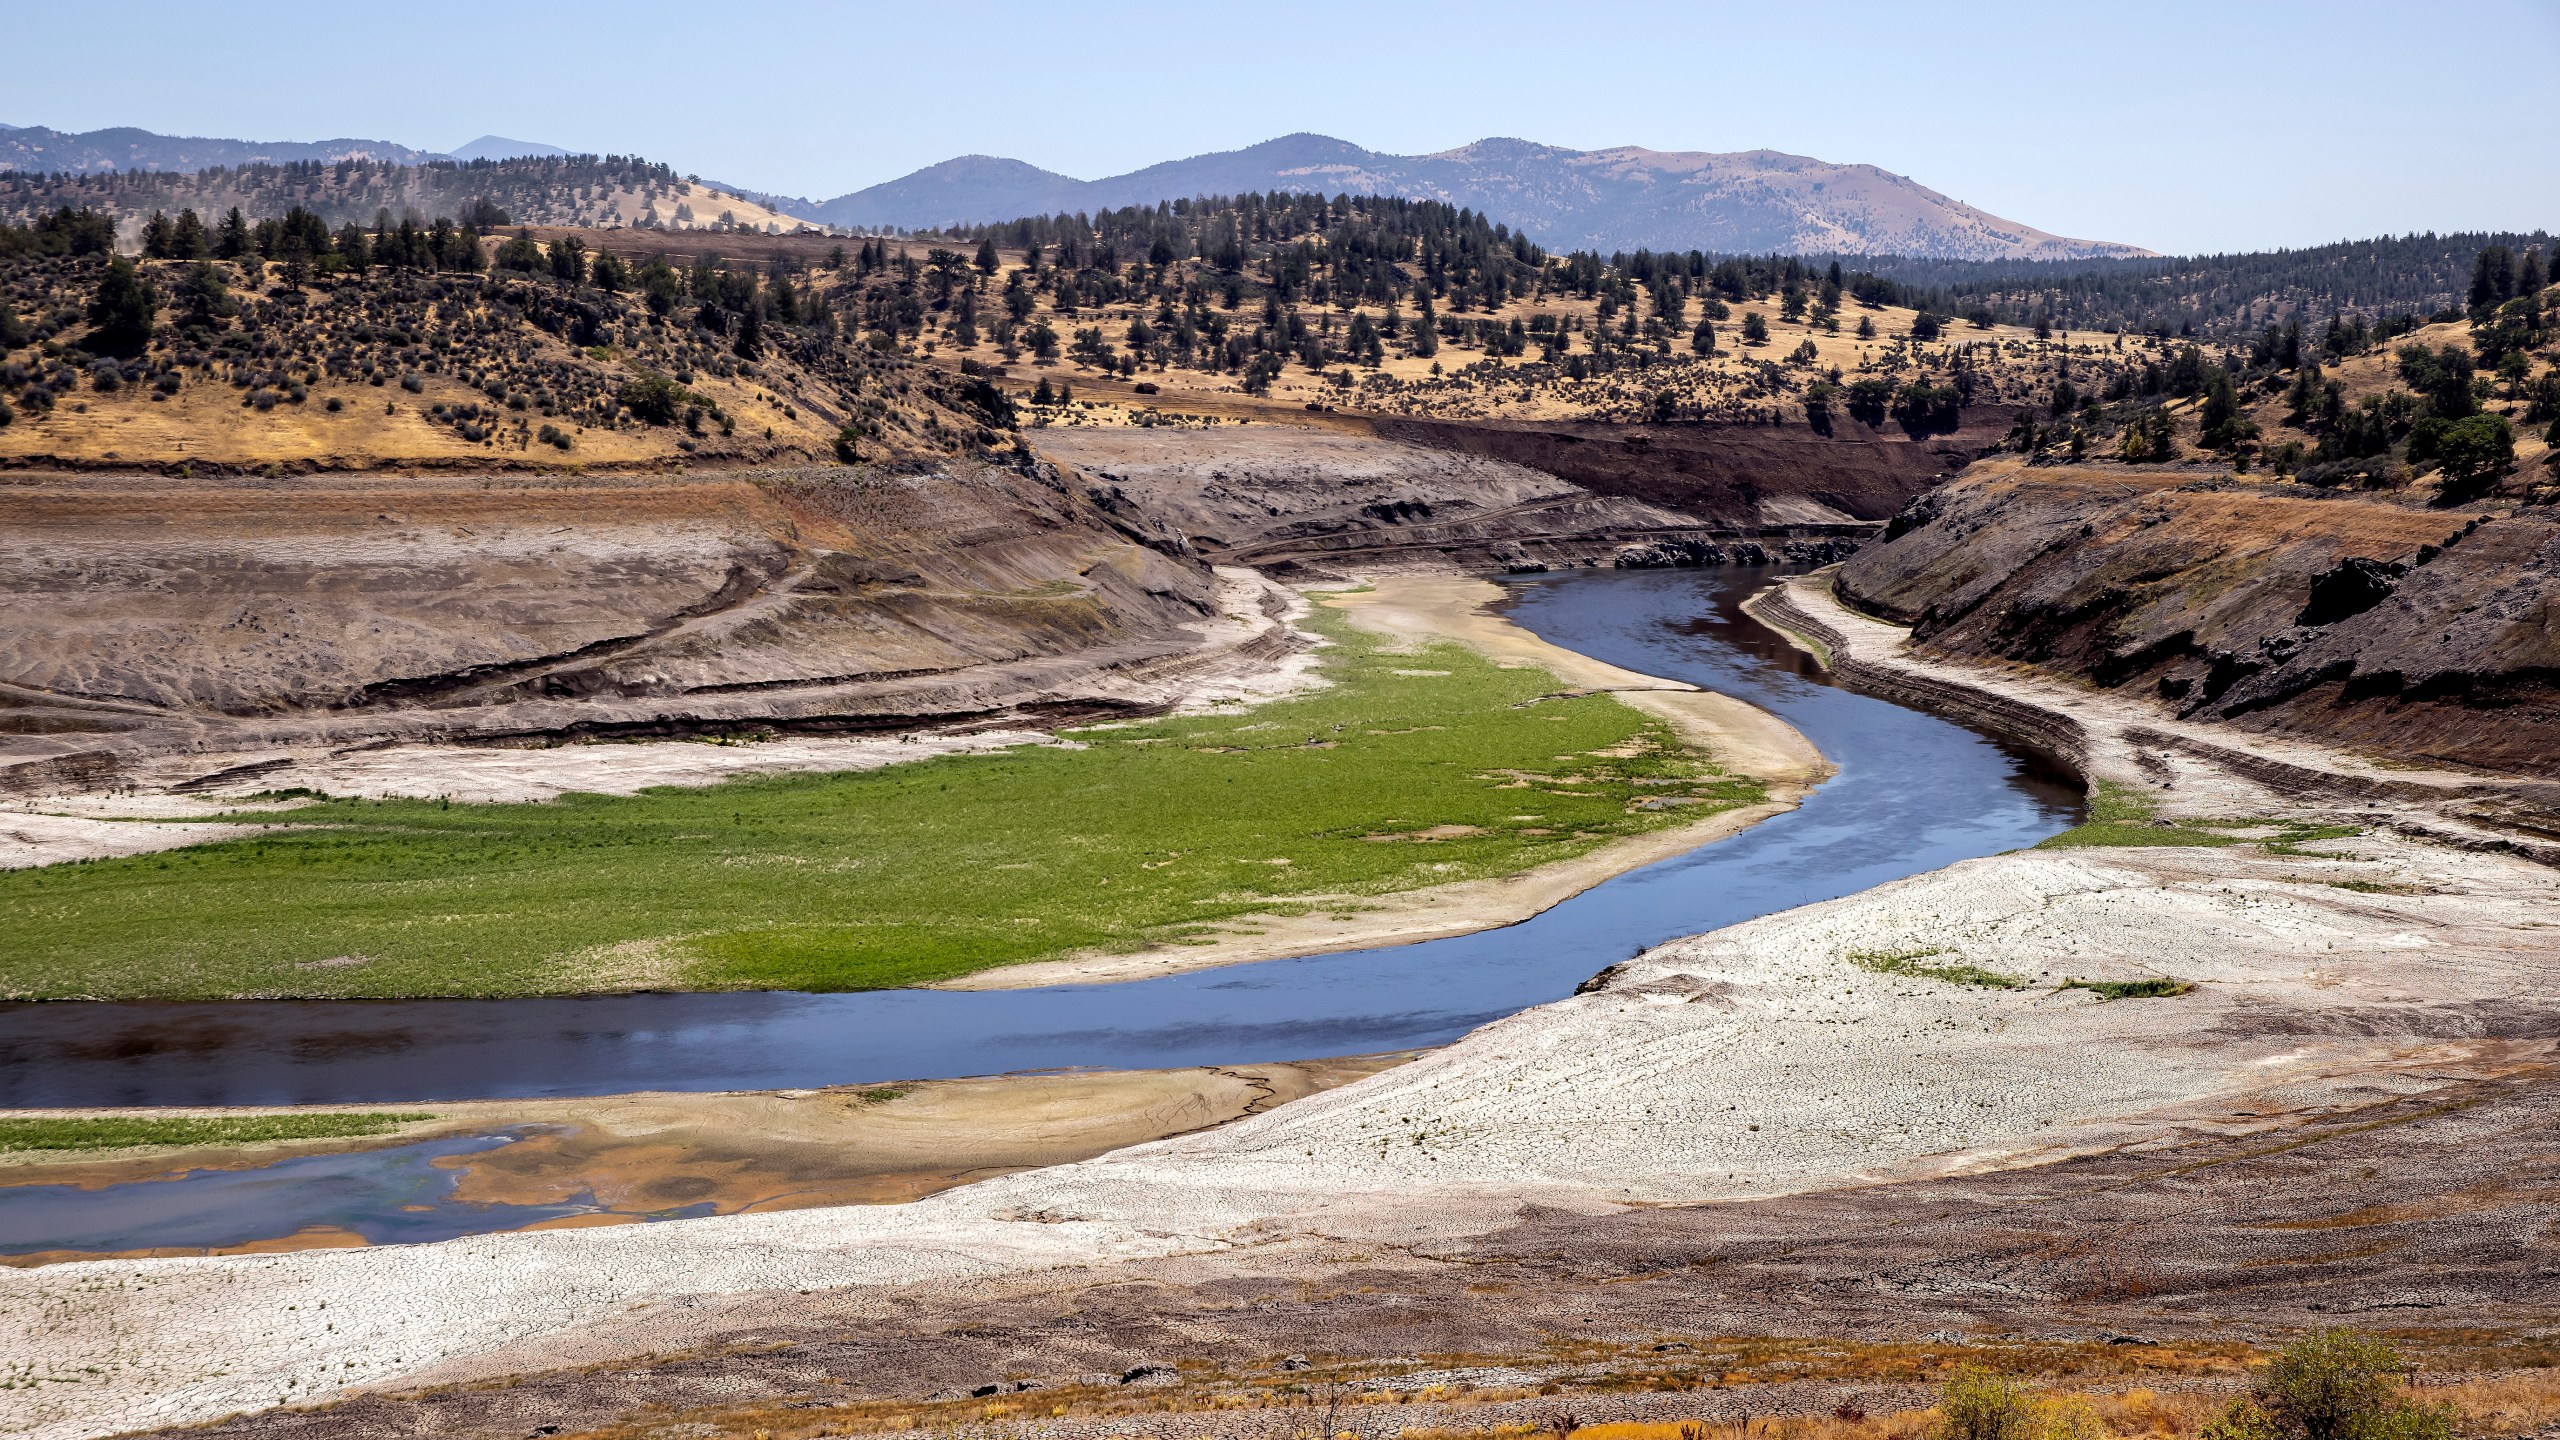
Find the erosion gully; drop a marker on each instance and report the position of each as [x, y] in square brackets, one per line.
[1914, 793]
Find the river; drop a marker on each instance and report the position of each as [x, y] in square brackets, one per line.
[1914, 793]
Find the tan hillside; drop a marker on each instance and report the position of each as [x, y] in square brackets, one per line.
[399, 367]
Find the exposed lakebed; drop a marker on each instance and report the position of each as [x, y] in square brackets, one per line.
[1914, 793]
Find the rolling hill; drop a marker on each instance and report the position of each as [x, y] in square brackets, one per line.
[541, 190]
[1619, 199]
[35, 149]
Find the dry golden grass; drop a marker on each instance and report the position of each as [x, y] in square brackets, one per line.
[2091, 1391]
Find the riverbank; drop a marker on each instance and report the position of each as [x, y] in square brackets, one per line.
[1414, 610]
[1905, 1046]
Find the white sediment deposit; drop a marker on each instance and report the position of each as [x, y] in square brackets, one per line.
[1779, 1056]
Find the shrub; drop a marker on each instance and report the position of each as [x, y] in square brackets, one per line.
[2470, 451]
[1924, 409]
[1978, 1405]
[1869, 399]
[652, 398]
[2332, 1385]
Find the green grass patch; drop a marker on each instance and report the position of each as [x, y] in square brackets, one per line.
[1152, 832]
[121, 1133]
[2120, 815]
[1919, 965]
[2364, 887]
[2155, 989]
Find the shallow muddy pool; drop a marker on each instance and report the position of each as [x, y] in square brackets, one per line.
[396, 1194]
[1914, 793]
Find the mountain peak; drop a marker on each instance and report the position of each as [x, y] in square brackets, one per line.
[1624, 198]
[499, 147]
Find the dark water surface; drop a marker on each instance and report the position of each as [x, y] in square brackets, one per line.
[1914, 793]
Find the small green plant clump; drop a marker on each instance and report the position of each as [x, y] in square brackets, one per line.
[2152, 989]
[2332, 1385]
[1976, 1404]
[2328, 1385]
[115, 1132]
[2120, 815]
[1918, 964]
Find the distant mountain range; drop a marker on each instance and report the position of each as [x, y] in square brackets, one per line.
[1621, 199]
[34, 148]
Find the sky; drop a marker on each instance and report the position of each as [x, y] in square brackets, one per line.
[2184, 127]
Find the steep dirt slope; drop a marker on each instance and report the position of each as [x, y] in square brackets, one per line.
[2424, 633]
[1730, 475]
[1273, 494]
[1378, 488]
[201, 614]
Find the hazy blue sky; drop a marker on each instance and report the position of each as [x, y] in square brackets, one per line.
[2181, 126]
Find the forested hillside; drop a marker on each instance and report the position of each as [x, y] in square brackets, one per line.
[571, 190]
[2214, 295]
[289, 342]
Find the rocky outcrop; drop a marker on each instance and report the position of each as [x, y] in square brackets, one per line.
[1737, 477]
[1691, 554]
[2267, 607]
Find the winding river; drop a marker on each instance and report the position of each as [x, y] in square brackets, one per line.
[1914, 793]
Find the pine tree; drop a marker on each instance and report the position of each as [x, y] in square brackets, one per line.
[231, 241]
[988, 262]
[202, 296]
[187, 239]
[120, 314]
[2493, 280]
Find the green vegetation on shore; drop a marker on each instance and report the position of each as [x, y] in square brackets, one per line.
[1408, 770]
[119, 1132]
[2122, 815]
[1919, 964]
